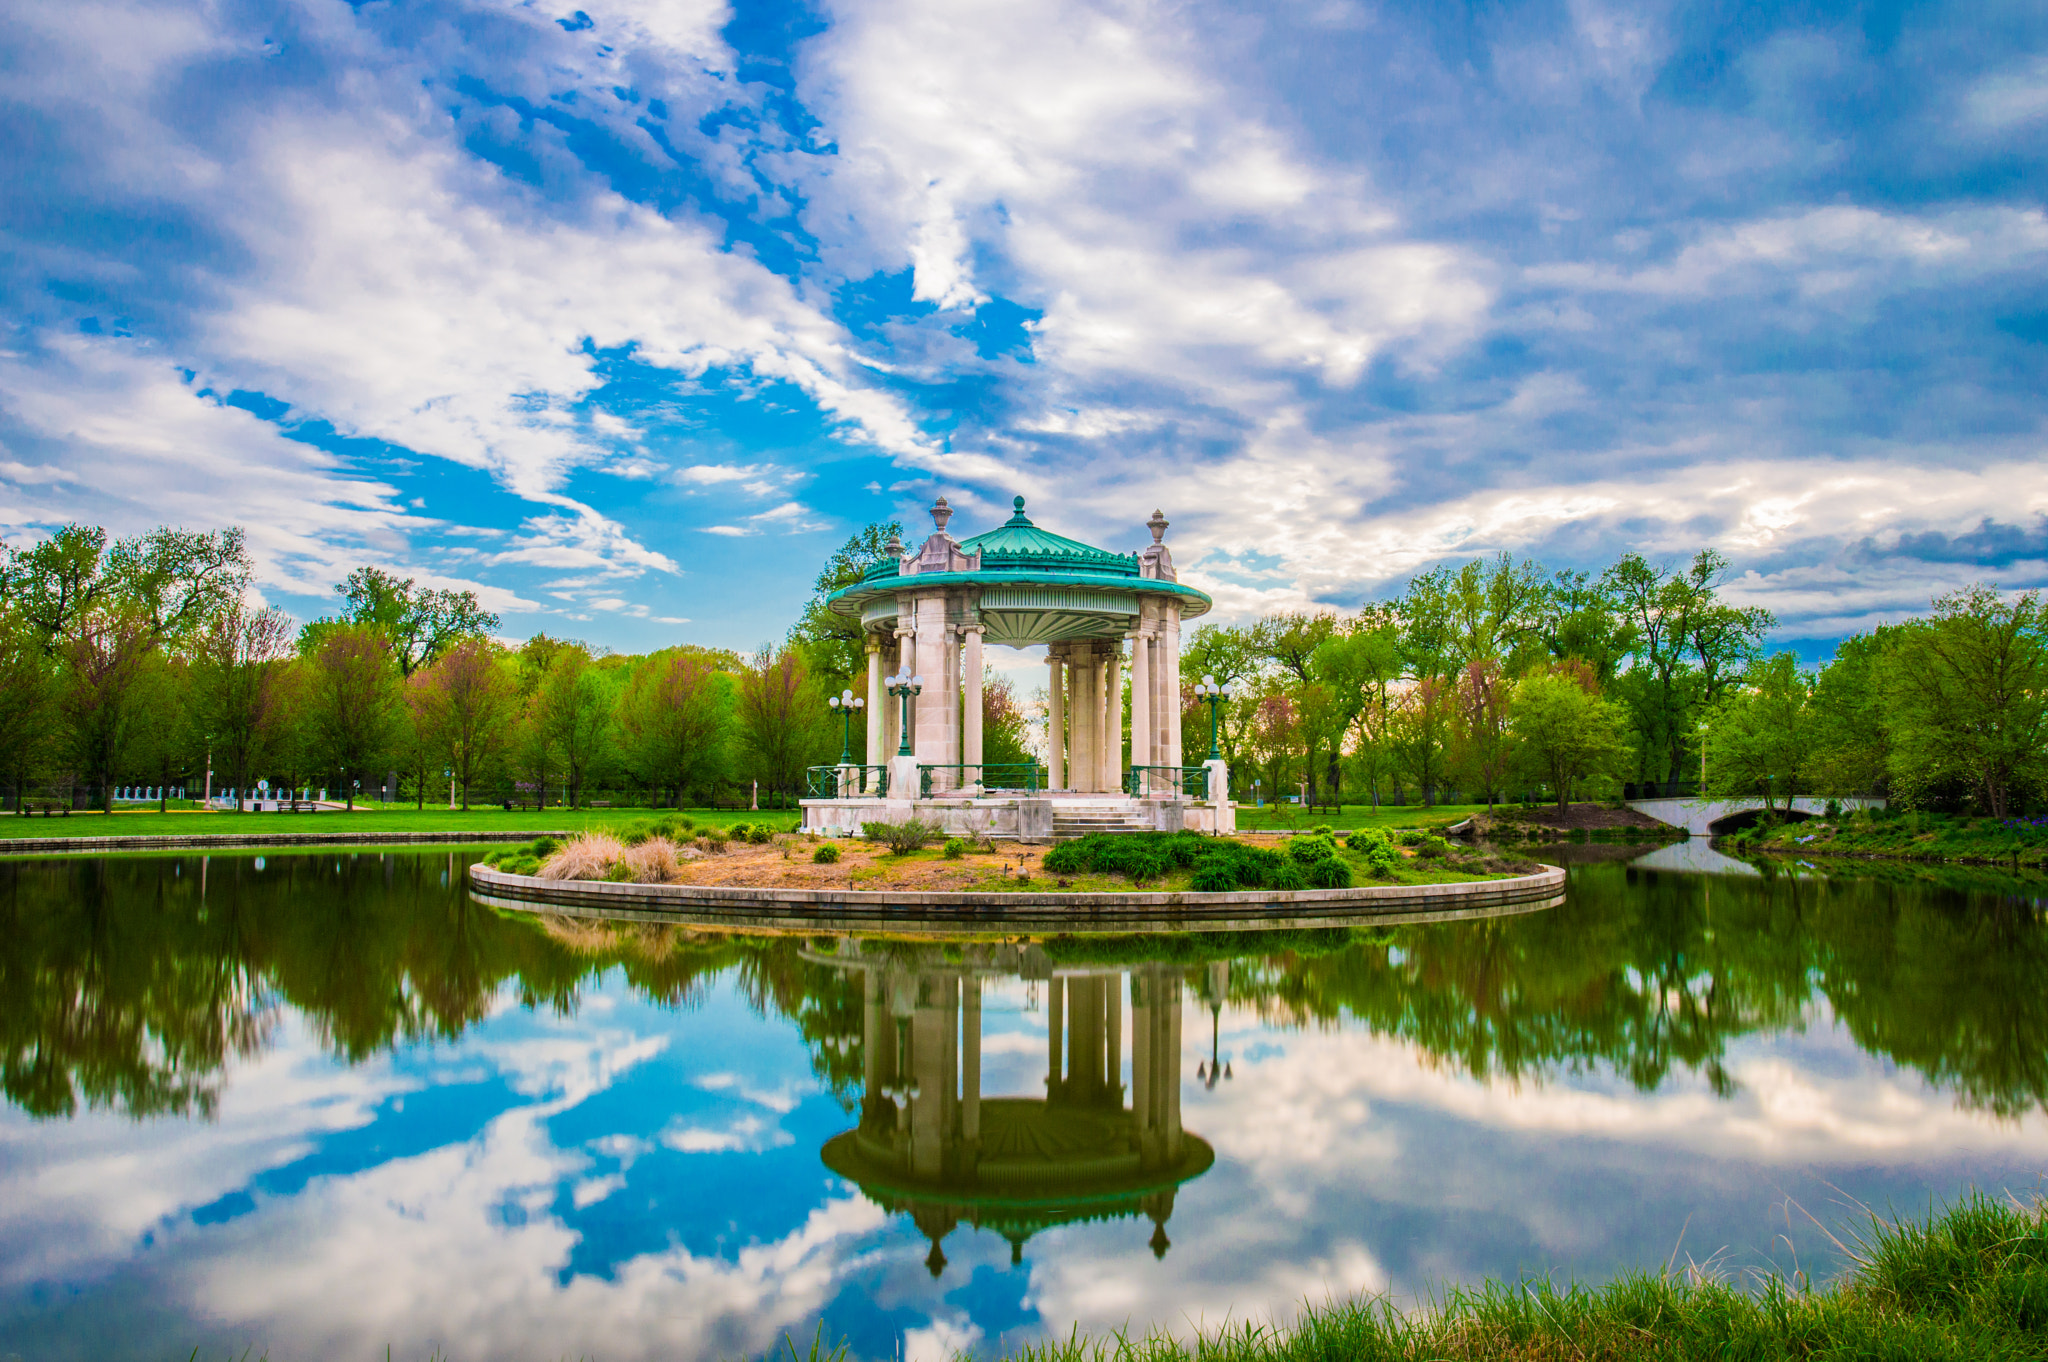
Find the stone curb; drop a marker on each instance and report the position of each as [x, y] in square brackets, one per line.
[44, 846]
[798, 909]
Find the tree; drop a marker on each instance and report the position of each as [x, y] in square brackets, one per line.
[574, 709]
[1851, 726]
[1968, 693]
[1566, 734]
[419, 625]
[1420, 730]
[1002, 723]
[1760, 736]
[107, 654]
[783, 722]
[674, 714]
[242, 689]
[835, 643]
[1232, 654]
[354, 703]
[1482, 744]
[1689, 646]
[28, 699]
[466, 701]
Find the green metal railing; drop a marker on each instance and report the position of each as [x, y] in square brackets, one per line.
[1164, 782]
[1016, 775]
[846, 782]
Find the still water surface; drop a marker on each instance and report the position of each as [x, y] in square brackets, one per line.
[320, 1104]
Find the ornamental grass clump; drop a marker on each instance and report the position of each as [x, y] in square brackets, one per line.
[654, 861]
[826, 854]
[1140, 856]
[588, 856]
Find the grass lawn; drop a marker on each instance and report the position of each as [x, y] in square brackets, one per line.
[1908, 836]
[1968, 1283]
[1287, 818]
[390, 818]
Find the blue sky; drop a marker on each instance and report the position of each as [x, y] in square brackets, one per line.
[626, 315]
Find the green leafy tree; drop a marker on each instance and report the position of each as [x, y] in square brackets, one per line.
[575, 711]
[242, 691]
[1851, 725]
[1234, 656]
[1760, 737]
[28, 700]
[675, 715]
[1566, 734]
[1420, 732]
[1482, 741]
[835, 644]
[784, 726]
[1967, 690]
[418, 624]
[467, 700]
[1003, 723]
[354, 704]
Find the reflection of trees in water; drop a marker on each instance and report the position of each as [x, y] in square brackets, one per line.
[123, 983]
[1645, 973]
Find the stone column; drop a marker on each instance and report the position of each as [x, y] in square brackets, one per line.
[1141, 707]
[936, 712]
[878, 720]
[1175, 754]
[1055, 722]
[971, 702]
[1081, 714]
[1112, 721]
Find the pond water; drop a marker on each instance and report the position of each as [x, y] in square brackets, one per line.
[317, 1105]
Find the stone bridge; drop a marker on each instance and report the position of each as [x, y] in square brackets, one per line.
[1712, 817]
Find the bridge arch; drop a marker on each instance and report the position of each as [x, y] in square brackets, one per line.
[1743, 819]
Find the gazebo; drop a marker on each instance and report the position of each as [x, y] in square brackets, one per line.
[928, 613]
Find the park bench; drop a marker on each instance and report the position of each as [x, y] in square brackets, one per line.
[46, 807]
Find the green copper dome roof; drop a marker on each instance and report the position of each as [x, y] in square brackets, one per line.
[1029, 585]
[1019, 543]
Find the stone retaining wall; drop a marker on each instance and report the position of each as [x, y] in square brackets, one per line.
[1018, 914]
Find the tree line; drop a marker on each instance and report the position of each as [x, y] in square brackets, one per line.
[147, 662]
[1493, 677]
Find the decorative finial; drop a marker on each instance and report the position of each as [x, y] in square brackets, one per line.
[1019, 504]
[1158, 524]
[1019, 518]
[895, 544]
[941, 513]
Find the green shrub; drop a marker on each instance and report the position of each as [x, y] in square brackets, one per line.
[902, 838]
[1412, 837]
[713, 840]
[954, 849]
[1435, 848]
[738, 831]
[1322, 830]
[544, 847]
[1217, 875]
[1312, 848]
[761, 834]
[826, 854]
[686, 824]
[1377, 848]
[1287, 876]
[1329, 874]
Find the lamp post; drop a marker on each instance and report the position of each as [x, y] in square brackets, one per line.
[846, 704]
[1213, 695]
[905, 685]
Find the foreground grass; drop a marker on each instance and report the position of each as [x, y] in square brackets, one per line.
[389, 818]
[1908, 836]
[1971, 1282]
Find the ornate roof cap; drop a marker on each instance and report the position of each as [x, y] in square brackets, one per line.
[1017, 543]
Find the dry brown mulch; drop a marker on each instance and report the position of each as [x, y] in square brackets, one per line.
[1572, 818]
[860, 866]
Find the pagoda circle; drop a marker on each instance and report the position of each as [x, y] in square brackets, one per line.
[928, 612]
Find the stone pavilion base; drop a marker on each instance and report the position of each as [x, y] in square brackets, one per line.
[1048, 816]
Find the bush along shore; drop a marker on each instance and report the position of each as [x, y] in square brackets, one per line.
[1906, 835]
[674, 850]
[1970, 1282]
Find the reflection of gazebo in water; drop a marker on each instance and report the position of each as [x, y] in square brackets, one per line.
[929, 1144]
[1110, 623]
